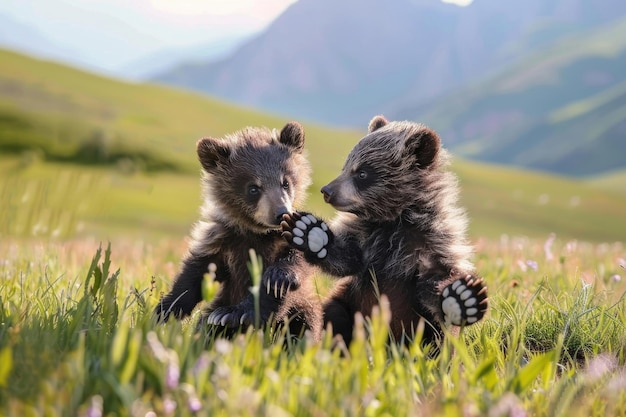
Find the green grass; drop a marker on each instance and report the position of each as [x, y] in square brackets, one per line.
[612, 181]
[76, 339]
[65, 200]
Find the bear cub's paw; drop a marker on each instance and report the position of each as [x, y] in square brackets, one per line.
[464, 301]
[306, 232]
[229, 316]
[279, 281]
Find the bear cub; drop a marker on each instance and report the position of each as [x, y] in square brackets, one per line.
[399, 233]
[251, 178]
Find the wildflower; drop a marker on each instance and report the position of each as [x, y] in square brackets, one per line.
[509, 405]
[157, 348]
[600, 366]
[169, 405]
[172, 373]
[571, 246]
[547, 247]
[616, 278]
[193, 402]
[532, 264]
[522, 265]
[202, 363]
[95, 407]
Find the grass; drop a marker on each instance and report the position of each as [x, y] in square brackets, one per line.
[65, 200]
[612, 181]
[77, 339]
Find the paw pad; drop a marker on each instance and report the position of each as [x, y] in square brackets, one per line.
[464, 301]
[310, 233]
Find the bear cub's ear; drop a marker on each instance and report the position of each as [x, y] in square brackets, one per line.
[376, 123]
[292, 135]
[425, 145]
[211, 152]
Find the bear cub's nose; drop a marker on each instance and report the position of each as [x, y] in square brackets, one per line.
[279, 214]
[328, 193]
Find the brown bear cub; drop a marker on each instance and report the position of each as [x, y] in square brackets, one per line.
[400, 234]
[251, 179]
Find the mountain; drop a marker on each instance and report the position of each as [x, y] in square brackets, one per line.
[164, 60]
[343, 62]
[562, 109]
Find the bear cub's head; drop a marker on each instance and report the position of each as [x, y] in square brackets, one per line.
[387, 171]
[254, 176]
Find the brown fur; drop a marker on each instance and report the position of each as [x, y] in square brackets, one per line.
[251, 178]
[400, 231]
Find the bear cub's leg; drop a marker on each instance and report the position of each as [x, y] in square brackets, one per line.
[464, 301]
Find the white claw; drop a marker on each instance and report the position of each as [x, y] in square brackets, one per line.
[243, 318]
[224, 319]
[300, 225]
[298, 240]
[306, 219]
[322, 254]
[298, 232]
[276, 290]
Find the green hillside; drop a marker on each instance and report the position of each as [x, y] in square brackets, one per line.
[561, 109]
[72, 115]
[52, 197]
[613, 181]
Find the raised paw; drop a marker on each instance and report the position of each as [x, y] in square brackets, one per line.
[277, 281]
[464, 301]
[229, 316]
[306, 232]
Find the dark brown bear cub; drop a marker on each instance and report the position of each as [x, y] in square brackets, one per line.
[251, 178]
[400, 234]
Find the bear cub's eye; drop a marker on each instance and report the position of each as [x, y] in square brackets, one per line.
[364, 177]
[285, 184]
[253, 190]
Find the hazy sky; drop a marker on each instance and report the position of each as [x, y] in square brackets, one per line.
[109, 34]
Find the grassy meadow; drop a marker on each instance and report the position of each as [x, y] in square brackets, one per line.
[99, 185]
[77, 340]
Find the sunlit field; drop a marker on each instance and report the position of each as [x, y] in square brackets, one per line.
[76, 338]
